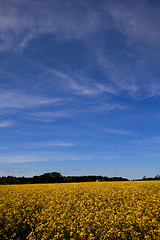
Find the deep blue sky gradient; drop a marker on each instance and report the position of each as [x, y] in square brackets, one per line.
[80, 87]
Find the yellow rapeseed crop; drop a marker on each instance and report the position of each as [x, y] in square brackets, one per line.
[102, 210]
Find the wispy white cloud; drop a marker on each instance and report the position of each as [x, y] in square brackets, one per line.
[148, 141]
[72, 110]
[137, 20]
[47, 116]
[6, 123]
[45, 156]
[17, 99]
[106, 106]
[131, 78]
[79, 84]
[51, 144]
[32, 157]
[22, 104]
[137, 23]
[91, 89]
[21, 21]
[3, 148]
[116, 131]
[24, 158]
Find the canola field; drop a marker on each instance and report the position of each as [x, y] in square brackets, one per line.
[77, 211]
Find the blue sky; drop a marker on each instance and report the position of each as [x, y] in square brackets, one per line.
[80, 87]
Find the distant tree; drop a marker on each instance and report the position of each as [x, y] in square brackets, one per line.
[157, 177]
[53, 177]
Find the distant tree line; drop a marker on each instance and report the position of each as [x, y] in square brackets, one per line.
[53, 177]
[157, 177]
[92, 178]
[56, 177]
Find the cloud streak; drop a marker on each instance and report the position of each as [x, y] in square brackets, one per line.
[79, 84]
[46, 116]
[51, 145]
[132, 75]
[3, 148]
[17, 99]
[137, 20]
[148, 141]
[51, 156]
[20, 21]
[7, 123]
[116, 131]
